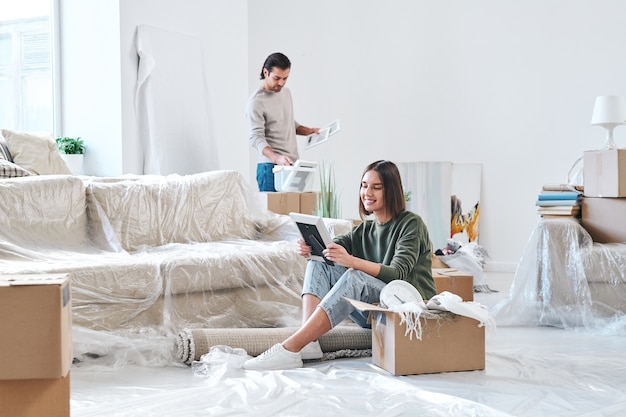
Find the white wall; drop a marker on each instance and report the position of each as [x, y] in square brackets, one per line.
[90, 81]
[99, 68]
[508, 84]
[222, 26]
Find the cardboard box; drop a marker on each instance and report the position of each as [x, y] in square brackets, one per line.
[35, 327]
[285, 203]
[605, 219]
[604, 173]
[457, 344]
[35, 397]
[437, 263]
[454, 281]
[308, 203]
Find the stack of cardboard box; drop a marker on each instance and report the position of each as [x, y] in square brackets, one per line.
[604, 201]
[35, 345]
[288, 202]
[294, 185]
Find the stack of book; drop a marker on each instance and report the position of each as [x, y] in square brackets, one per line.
[559, 201]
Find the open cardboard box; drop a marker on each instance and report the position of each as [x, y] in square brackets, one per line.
[449, 343]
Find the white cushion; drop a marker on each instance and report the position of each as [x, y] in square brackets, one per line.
[10, 170]
[35, 152]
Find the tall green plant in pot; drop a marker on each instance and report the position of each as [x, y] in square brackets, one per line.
[72, 151]
[328, 199]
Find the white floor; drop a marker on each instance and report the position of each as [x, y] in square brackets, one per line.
[530, 371]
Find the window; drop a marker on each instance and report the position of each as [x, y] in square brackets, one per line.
[26, 70]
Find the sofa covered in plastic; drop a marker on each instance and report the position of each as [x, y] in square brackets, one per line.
[150, 255]
[565, 279]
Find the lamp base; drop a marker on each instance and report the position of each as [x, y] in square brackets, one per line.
[609, 143]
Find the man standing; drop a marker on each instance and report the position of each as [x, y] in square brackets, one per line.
[271, 122]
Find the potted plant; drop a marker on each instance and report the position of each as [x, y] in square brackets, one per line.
[328, 200]
[72, 151]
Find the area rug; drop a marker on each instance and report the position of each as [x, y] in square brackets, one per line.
[340, 342]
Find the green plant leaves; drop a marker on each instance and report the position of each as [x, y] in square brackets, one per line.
[71, 146]
[328, 199]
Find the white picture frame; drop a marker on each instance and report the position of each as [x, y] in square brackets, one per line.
[323, 135]
[315, 233]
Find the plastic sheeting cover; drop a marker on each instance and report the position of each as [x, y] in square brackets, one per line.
[530, 372]
[566, 280]
[150, 255]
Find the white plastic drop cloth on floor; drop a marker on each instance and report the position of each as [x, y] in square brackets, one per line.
[530, 371]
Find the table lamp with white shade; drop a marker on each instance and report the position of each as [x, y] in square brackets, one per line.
[609, 111]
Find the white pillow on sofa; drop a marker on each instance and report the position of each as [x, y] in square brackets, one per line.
[7, 168]
[35, 152]
[10, 170]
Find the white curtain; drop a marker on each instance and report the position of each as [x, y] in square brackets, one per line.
[172, 104]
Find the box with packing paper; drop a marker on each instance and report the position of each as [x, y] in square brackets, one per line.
[411, 338]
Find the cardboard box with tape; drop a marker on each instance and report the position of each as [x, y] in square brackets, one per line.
[448, 343]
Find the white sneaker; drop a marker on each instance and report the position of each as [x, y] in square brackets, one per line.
[312, 351]
[273, 359]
